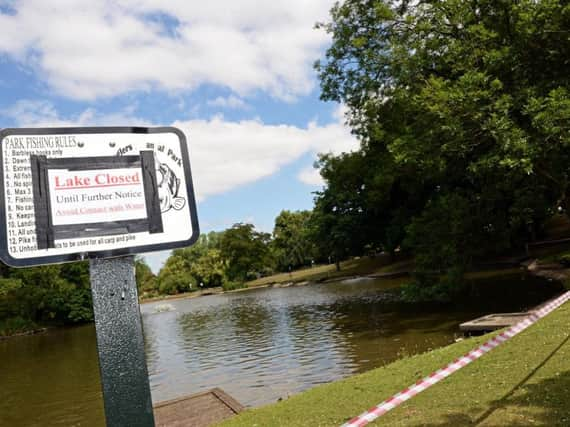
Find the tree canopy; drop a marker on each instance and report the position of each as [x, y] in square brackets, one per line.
[292, 245]
[463, 111]
[54, 293]
[246, 251]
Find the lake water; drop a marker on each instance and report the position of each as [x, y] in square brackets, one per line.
[258, 346]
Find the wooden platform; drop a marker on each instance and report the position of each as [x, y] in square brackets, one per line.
[492, 322]
[197, 410]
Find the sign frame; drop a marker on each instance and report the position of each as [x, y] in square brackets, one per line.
[96, 254]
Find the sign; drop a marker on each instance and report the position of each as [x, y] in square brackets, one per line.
[89, 196]
[75, 193]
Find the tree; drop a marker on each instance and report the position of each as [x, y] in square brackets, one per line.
[245, 251]
[78, 299]
[291, 244]
[339, 216]
[460, 105]
[187, 267]
[52, 293]
[174, 277]
[209, 269]
[146, 280]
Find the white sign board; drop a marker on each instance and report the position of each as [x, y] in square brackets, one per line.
[73, 193]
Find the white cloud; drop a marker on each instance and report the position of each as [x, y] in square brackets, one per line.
[223, 154]
[102, 48]
[33, 113]
[228, 102]
[311, 176]
[340, 113]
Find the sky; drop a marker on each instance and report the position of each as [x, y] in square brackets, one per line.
[236, 76]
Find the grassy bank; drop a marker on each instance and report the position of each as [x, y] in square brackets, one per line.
[17, 326]
[523, 382]
[193, 294]
[365, 266]
[355, 267]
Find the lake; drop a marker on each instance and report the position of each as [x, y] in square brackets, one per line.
[259, 345]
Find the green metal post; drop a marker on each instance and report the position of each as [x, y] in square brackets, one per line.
[120, 343]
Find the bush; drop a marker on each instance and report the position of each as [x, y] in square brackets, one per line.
[564, 260]
[433, 288]
[148, 294]
[79, 305]
[231, 286]
[176, 283]
[16, 325]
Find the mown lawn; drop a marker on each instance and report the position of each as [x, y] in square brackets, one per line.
[354, 267]
[524, 382]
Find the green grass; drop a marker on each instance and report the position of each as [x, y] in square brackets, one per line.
[487, 274]
[554, 257]
[523, 382]
[354, 267]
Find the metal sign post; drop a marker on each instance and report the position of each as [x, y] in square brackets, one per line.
[124, 376]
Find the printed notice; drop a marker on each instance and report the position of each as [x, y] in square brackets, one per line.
[75, 191]
[94, 196]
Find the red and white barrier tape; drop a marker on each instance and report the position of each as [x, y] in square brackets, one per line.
[456, 365]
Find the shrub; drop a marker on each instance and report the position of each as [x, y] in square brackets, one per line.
[16, 325]
[176, 283]
[233, 285]
[433, 288]
[564, 260]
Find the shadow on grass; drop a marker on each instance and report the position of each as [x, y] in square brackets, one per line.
[544, 402]
[547, 400]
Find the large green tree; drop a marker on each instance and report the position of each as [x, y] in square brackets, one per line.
[147, 282]
[292, 246]
[210, 269]
[245, 251]
[187, 267]
[462, 108]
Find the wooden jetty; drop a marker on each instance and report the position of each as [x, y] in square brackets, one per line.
[492, 322]
[197, 410]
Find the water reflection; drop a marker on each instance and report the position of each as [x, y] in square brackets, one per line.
[267, 344]
[260, 345]
[51, 380]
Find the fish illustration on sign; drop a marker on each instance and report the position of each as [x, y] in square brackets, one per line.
[168, 187]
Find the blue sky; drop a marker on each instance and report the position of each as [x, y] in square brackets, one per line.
[236, 76]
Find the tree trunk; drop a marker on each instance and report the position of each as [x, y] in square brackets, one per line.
[337, 263]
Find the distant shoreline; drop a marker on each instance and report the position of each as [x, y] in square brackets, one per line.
[35, 331]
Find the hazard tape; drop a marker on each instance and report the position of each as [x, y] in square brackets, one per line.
[456, 365]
